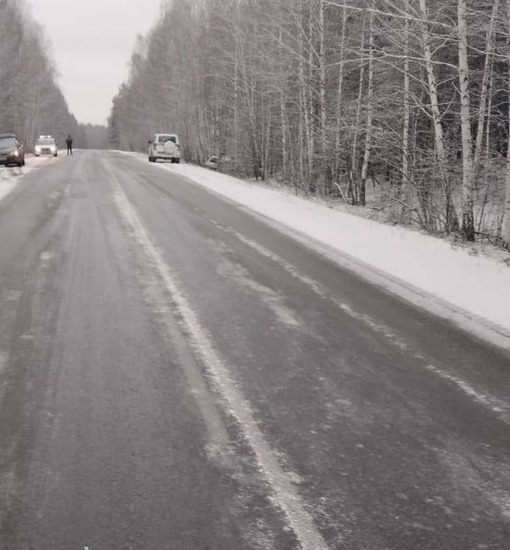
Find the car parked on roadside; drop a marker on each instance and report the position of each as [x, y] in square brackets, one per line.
[45, 145]
[164, 147]
[11, 151]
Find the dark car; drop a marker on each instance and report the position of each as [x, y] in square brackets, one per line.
[11, 151]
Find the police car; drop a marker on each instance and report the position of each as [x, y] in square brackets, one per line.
[45, 145]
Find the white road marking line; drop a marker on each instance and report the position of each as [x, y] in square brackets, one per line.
[266, 295]
[284, 494]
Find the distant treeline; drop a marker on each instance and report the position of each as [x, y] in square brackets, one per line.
[31, 102]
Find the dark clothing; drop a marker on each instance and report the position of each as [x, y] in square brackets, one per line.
[69, 143]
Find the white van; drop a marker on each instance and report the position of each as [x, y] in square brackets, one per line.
[166, 147]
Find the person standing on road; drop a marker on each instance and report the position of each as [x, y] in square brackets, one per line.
[69, 143]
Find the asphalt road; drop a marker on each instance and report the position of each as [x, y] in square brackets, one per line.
[175, 373]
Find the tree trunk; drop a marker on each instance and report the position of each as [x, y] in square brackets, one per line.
[247, 87]
[451, 223]
[304, 99]
[339, 94]
[322, 96]
[403, 186]
[505, 228]
[370, 114]
[407, 112]
[353, 185]
[283, 116]
[468, 222]
[310, 128]
[236, 107]
[487, 71]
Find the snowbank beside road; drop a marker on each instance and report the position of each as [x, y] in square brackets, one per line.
[475, 285]
[9, 176]
[7, 184]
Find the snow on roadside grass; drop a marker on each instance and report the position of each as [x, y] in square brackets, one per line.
[475, 284]
[6, 185]
[9, 176]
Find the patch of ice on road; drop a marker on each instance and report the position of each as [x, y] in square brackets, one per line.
[317, 288]
[477, 478]
[275, 302]
[497, 406]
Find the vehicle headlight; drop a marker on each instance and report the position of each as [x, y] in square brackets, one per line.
[37, 149]
[53, 148]
[15, 153]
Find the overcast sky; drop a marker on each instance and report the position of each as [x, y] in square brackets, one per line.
[92, 42]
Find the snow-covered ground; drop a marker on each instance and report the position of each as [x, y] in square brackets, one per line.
[10, 176]
[454, 281]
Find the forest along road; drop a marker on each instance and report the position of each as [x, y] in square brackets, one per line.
[177, 374]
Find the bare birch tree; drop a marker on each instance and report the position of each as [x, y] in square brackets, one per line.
[468, 224]
[450, 215]
[370, 112]
[505, 228]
